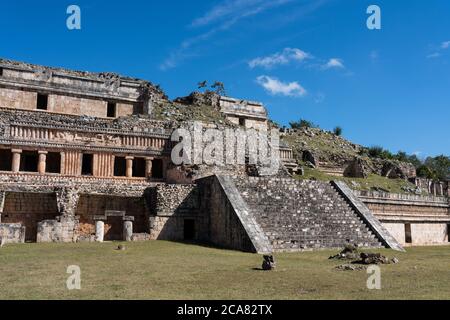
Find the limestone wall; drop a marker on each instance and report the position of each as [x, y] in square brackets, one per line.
[411, 219]
[74, 92]
[12, 232]
[230, 225]
[29, 209]
[172, 205]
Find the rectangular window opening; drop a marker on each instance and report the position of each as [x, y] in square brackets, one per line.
[111, 110]
[138, 108]
[157, 168]
[87, 164]
[53, 162]
[120, 167]
[29, 161]
[42, 101]
[139, 167]
[5, 160]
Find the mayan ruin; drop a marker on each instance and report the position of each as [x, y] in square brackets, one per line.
[86, 157]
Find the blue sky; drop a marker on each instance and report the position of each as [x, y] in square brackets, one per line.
[303, 59]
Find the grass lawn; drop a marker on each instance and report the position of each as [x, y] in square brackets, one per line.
[168, 270]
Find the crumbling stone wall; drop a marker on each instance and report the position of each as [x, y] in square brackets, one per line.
[91, 206]
[12, 232]
[231, 224]
[29, 209]
[173, 204]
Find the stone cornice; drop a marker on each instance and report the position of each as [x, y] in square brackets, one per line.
[80, 147]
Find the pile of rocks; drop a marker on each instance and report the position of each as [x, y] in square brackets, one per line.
[349, 252]
[360, 260]
[268, 263]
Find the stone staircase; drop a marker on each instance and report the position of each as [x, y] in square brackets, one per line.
[298, 215]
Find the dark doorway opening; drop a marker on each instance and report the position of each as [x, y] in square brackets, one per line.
[53, 162]
[29, 161]
[138, 108]
[5, 160]
[448, 232]
[120, 167]
[42, 101]
[87, 164]
[189, 229]
[114, 229]
[111, 110]
[242, 122]
[139, 167]
[157, 169]
[408, 236]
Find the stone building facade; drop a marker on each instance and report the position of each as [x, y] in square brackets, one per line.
[82, 159]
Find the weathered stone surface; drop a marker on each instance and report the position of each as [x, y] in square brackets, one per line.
[268, 263]
[299, 215]
[364, 213]
[127, 230]
[12, 233]
[99, 231]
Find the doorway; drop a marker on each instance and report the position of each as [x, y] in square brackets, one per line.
[189, 229]
[408, 235]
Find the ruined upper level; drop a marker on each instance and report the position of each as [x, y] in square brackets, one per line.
[105, 95]
[247, 113]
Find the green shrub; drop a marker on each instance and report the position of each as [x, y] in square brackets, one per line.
[337, 131]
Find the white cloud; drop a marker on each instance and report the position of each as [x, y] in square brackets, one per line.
[334, 63]
[279, 58]
[230, 9]
[434, 55]
[445, 45]
[221, 18]
[277, 87]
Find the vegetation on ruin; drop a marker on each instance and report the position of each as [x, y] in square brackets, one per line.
[169, 270]
[372, 182]
[172, 111]
[333, 148]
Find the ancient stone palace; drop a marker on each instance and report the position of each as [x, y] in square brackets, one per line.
[83, 157]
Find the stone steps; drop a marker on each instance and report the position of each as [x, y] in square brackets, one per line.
[299, 215]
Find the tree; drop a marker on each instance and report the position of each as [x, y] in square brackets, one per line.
[202, 84]
[337, 131]
[440, 165]
[302, 123]
[379, 152]
[219, 88]
[424, 171]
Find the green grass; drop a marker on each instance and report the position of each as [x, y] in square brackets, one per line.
[167, 270]
[372, 181]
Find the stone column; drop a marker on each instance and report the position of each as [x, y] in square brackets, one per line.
[129, 161]
[16, 160]
[148, 167]
[99, 230]
[127, 230]
[42, 162]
